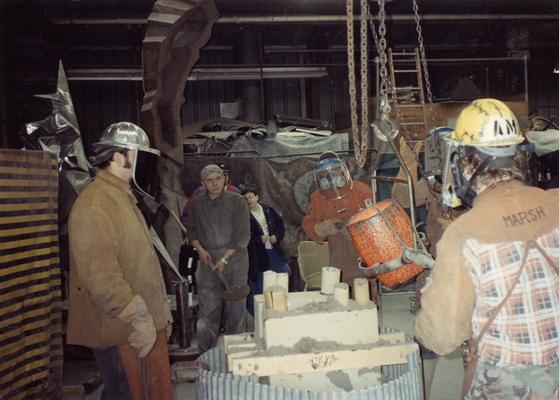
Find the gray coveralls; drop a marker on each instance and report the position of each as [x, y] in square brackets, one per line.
[220, 224]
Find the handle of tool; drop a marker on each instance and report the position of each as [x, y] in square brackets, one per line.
[144, 377]
[222, 279]
[219, 275]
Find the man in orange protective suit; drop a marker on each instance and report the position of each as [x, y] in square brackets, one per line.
[337, 198]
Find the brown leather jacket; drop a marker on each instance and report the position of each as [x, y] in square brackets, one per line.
[111, 260]
[509, 211]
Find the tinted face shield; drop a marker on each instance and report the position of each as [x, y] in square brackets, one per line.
[145, 177]
[332, 178]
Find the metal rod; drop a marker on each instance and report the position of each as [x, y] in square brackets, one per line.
[255, 154]
[181, 294]
[374, 185]
[526, 78]
[221, 72]
[410, 185]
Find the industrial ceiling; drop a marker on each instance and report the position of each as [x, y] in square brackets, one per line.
[108, 34]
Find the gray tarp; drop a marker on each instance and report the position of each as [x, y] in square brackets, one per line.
[293, 147]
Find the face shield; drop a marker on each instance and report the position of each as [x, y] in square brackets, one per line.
[434, 149]
[332, 178]
[128, 136]
[457, 188]
[451, 155]
[144, 175]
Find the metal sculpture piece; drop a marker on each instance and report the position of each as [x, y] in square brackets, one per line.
[59, 133]
[177, 29]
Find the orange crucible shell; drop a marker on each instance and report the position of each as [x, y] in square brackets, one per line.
[376, 243]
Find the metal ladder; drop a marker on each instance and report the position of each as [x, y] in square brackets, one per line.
[407, 84]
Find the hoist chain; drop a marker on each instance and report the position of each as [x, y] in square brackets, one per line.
[364, 53]
[423, 58]
[386, 87]
[381, 47]
[360, 158]
[445, 212]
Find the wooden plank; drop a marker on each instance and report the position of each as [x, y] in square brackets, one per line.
[246, 348]
[265, 364]
[392, 338]
[344, 379]
[48, 172]
[241, 352]
[238, 338]
[241, 345]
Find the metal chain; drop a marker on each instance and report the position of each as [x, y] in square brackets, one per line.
[424, 62]
[361, 158]
[386, 87]
[351, 81]
[385, 83]
[381, 47]
[445, 212]
[360, 134]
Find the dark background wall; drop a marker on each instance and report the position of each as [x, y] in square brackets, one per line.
[34, 36]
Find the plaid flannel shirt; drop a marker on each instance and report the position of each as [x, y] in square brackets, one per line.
[526, 330]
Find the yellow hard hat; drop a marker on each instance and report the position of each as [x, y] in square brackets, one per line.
[487, 123]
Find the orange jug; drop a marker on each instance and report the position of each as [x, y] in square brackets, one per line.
[376, 242]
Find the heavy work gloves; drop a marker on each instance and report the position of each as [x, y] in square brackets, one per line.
[328, 227]
[143, 335]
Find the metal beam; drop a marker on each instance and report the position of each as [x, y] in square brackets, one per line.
[200, 74]
[313, 19]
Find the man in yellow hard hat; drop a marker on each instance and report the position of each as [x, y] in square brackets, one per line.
[496, 277]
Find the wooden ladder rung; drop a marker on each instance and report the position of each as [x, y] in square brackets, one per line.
[412, 123]
[405, 70]
[410, 105]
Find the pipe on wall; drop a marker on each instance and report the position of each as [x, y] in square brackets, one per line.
[247, 50]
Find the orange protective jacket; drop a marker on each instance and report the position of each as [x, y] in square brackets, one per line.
[342, 252]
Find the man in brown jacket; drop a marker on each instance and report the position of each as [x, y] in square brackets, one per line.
[117, 295]
[496, 277]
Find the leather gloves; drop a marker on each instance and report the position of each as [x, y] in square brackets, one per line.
[328, 227]
[144, 334]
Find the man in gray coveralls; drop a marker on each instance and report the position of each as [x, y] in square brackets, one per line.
[219, 230]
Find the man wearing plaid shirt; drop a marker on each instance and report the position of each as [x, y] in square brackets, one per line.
[485, 258]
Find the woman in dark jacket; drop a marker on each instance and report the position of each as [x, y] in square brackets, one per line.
[266, 232]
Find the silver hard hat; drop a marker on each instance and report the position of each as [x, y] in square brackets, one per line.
[125, 135]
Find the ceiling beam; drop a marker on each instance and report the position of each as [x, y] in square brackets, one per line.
[313, 19]
[200, 74]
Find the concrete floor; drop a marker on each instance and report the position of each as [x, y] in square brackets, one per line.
[395, 313]
[449, 373]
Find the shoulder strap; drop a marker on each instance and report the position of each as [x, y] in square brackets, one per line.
[497, 309]
[552, 263]
[473, 344]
